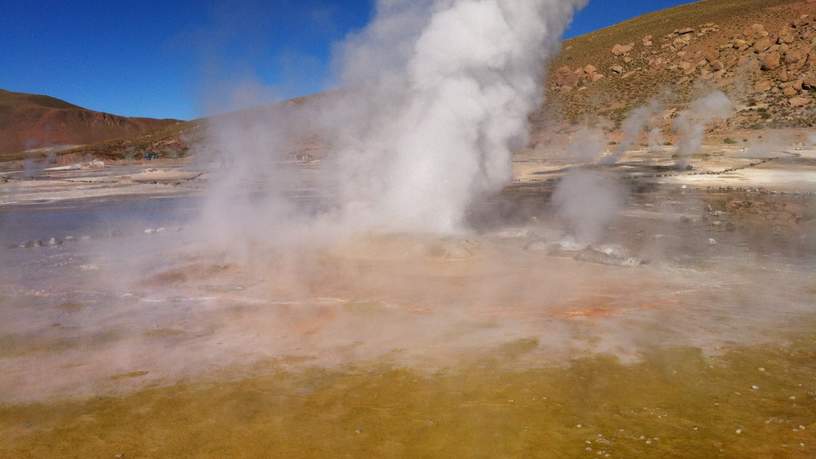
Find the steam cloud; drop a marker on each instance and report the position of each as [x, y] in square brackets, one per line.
[632, 127]
[434, 97]
[656, 140]
[588, 144]
[691, 123]
[588, 201]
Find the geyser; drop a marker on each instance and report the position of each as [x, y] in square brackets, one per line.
[433, 98]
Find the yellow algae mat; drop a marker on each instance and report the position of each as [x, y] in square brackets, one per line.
[757, 401]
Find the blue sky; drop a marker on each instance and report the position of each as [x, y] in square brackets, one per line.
[173, 58]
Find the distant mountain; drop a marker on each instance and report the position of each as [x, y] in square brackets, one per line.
[30, 121]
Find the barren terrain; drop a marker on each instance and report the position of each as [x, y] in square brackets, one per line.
[114, 295]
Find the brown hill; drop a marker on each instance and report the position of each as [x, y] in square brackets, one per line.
[762, 53]
[29, 121]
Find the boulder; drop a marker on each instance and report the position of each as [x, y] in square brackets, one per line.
[741, 44]
[682, 41]
[684, 31]
[565, 77]
[784, 76]
[758, 30]
[771, 60]
[786, 36]
[809, 82]
[711, 55]
[647, 41]
[617, 69]
[799, 101]
[763, 85]
[793, 57]
[620, 50]
[789, 91]
[687, 67]
[762, 45]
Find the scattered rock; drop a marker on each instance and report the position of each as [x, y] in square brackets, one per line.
[95, 164]
[687, 67]
[783, 75]
[758, 30]
[771, 60]
[711, 55]
[786, 36]
[565, 77]
[591, 255]
[809, 82]
[620, 50]
[793, 57]
[682, 41]
[762, 45]
[656, 62]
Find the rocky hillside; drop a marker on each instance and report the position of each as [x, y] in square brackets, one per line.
[29, 121]
[762, 53]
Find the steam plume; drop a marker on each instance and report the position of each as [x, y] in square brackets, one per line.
[588, 202]
[691, 123]
[656, 140]
[587, 145]
[632, 127]
[434, 98]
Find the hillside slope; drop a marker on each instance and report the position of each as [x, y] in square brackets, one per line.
[762, 53]
[29, 121]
